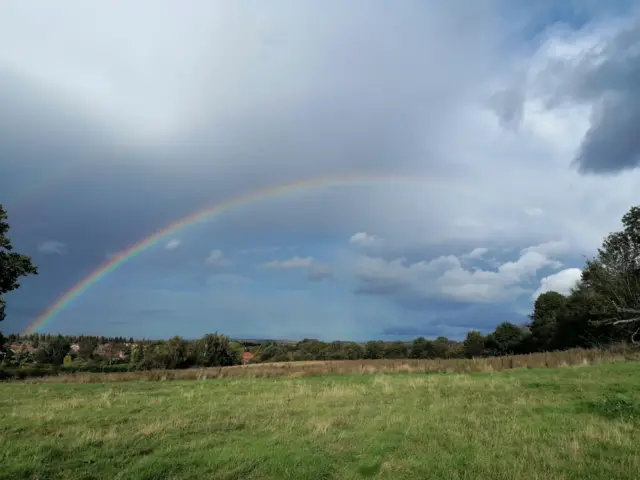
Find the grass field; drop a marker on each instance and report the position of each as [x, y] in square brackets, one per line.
[568, 423]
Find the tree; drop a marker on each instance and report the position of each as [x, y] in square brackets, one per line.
[12, 266]
[441, 347]
[176, 353]
[53, 351]
[474, 344]
[573, 326]
[353, 351]
[422, 348]
[396, 350]
[547, 308]
[333, 351]
[506, 339]
[613, 278]
[217, 351]
[312, 349]
[137, 354]
[86, 347]
[374, 349]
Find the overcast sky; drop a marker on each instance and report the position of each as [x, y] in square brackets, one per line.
[517, 121]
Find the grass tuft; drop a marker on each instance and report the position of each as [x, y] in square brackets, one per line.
[615, 406]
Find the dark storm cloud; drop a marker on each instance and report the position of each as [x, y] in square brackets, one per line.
[454, 322]
[612, 143]
[609, 79]
[413, 331]
[604, 76]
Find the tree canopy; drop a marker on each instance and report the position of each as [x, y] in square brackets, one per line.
[604, 306]
[12, 265]
[612, 279]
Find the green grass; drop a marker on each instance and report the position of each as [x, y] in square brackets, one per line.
[568, 423]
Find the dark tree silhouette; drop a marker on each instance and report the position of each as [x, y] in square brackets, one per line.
[613, 277]
[12, 265]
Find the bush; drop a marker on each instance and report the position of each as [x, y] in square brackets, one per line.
[615, 406]
[30, 371]
[95, 367]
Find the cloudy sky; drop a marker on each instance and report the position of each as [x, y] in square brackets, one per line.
[496, 144]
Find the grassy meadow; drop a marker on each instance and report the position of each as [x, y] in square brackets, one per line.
[575, 422]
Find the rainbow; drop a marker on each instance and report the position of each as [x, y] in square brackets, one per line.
[133, 251]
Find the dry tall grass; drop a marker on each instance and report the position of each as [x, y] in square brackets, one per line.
[312, 368]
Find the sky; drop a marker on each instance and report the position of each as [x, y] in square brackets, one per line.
[494, 144]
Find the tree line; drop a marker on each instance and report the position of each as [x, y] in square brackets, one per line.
[603, 308]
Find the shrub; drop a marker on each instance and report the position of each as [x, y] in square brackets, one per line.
[29, 371]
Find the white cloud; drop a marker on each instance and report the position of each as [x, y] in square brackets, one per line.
[319, 272]
[476, 253]
[294, 262]
[315, 270]
[550, 249]
[561, 282]
[259, 250]
[173, 244]
[364, 239]
[217, 259]
[446, 277]
[53, 247]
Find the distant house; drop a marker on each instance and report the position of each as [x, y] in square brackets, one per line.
[75, 348]
[22, 348]
[109, 350]
[247, 357]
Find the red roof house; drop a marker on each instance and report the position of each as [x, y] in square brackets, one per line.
[22, 348]
[247, 357]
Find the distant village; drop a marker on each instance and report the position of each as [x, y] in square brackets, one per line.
[104, 349]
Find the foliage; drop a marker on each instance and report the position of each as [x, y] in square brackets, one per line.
[506, 339]
[544, 319]
[26, 371]
[137, 354]
[374, 349]
[396, 350]
[53, 351]
[474, 344]
[613, 279]
[94, 367]
[422, 348]
[86, 348]
[604, 307]
[217, 351]
[12, 265]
